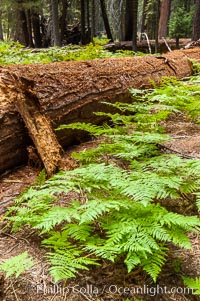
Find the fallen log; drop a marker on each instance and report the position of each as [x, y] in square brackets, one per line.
[143, 46]
[72, 91]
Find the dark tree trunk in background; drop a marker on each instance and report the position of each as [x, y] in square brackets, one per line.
[29, 25]
[157, 7]
[1, 27]
[135, 15]
[21, 29]
[164, 18]
[196, 22]
[129, 19]
[24, 27]
[88, 33]
[93, 19]
[105, 20]
[63, 19]
[83, 23]
[55, 21]
[36, 28]
[143, 16]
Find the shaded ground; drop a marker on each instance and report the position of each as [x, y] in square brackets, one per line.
[109, 282]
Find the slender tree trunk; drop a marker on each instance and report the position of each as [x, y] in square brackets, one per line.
[157, 25]
[93, 19]
[105, 20]
[143, 16]
[63, 19]
[129, 20]
[29, 25]
[1, 27]
[88, 33]
[36, 28]
[164, 18]
[55, 19]
[83, 23]
[135, 14]
[196, 22]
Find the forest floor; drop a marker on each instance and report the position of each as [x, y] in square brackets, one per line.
[108, 282]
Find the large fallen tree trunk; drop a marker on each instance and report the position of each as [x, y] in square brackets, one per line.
[143, 45]
[72, 91]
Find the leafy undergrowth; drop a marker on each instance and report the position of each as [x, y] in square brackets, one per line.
[15, 53]
[116, 212]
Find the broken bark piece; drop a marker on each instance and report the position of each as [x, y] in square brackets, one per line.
[69, 92]
[39, 129]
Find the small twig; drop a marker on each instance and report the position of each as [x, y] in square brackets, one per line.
[9, 251]
[185, 136]
[12, 181]
[176, 152]
[14, 291]
[16, 238]
[166, 44]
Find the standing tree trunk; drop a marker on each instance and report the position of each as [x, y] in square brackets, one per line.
[164, 18]
[157, 7]
[83, 23]
[29, 25]
[143, 16]
[21, 27]
[63, 19]
[36, 28]
[93, 19]
[88, 32]
[55, 20]
[105, 20]
[1, 27]
[129, 20]
[135, 15]
[196, 22]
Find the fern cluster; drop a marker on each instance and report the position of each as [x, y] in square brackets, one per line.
[115, 211]
[15, 53]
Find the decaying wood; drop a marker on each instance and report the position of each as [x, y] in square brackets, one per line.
[39, 129]
[72, 91]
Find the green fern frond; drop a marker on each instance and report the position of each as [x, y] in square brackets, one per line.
[193, 284]
[41, 178]
[56, 215]
[79, 232]
[198, 200]
[132, 260]
[65, 264]
[153, 264]
[88, 127]
[16, 265]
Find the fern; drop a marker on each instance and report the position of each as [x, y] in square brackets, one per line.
[193, 284]
[65, 263]
[16, 265]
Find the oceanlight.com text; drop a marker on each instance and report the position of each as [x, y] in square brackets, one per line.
[93, 290]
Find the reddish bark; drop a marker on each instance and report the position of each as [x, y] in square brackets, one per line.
[164, 18]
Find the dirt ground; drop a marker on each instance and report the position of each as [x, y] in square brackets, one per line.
[108, 282]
